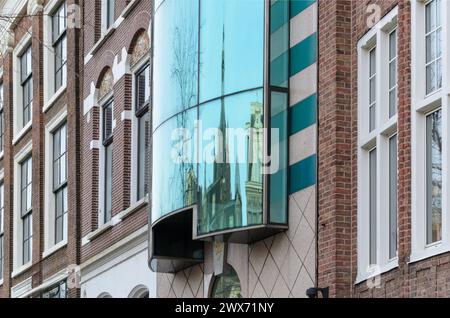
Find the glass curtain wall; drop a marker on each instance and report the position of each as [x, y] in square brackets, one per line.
[209, 110]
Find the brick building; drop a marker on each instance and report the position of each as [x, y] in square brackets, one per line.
[39, 121]
[382, 158]
[114, 139]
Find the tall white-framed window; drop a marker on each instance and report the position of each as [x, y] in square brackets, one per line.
[107, 14]
[26, 208]
[141, 101]
[433, 45]
[26, 82]
[377, 148]
[430, 154]
[22, 87]
[55, 52]
[107, 161]
[105, 102]
[23, 210]
[2, 228]
[56, 207]
[2, 121]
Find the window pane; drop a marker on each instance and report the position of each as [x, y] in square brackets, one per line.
[2, 207]
[232, 191]
[393, 44]
[392, 102]
[1, 256]
[372, 117]
[223, 59]
[279, 43]
[2, 130]
[431, 78]
[434, 177]
[278, 181]
[373, 62]
[107, 121]
[373, 205]
[142, 88]
[177, 51]
[431, 47]
[143, 132]
[430, 16]
[393, 197]
[108, 183]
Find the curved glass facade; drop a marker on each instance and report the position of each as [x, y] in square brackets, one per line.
[209, 112]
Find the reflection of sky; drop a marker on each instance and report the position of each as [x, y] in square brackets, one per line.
[243, 23]
[172, 17]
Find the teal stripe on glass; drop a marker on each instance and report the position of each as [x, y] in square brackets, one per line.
[303, 54]
[279, 14]
[279, 122]
[298, 6]
[302, 174]
[303, 114]
[279, 70]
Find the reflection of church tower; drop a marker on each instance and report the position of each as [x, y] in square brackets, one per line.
[254, 184]
[218, 196]
[191, 188]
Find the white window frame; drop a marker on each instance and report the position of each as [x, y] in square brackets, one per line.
[385, 128]
[101, 167]
[422, 105]
[2, 267]
[18, 129]
[18, 267]
[134, 134]
[2, 113]
[49, 199]
[104, 17]
[50, 95]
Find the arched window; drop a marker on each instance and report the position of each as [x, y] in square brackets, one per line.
[104, 295]
[140, 66]
[226, 285]
[139, 291]
[106, 103]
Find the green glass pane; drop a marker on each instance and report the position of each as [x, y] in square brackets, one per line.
[231, 46]
[175, 58]
[174, 171]
[230, 170]
[279, 152]
[279, 43]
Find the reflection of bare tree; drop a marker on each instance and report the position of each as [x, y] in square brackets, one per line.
[184, 74]
[436, 174]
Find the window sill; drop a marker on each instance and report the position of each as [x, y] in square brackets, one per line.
[1, 155]
[22, 133]
[54, 98]
[376, 271]
[133, 208]
[54, 249]
[21, 269]
[429, 102]
[114, 220]
[91, 236]
[129, 8]
[1, 282]
[428, 252]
